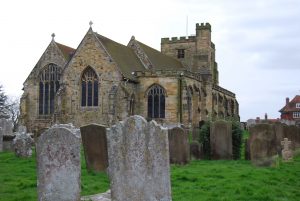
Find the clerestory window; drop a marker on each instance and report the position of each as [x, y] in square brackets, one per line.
[89, 88]
[156, 102]
[48, 86]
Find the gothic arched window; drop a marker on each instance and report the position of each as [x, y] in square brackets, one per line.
[49, 84]
[156, 102]
[89, 88]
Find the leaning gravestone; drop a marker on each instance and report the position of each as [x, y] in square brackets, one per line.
[138, 153]
[95, 147]
[22, 144]
[262, 144]
[178, 146]
[58, 164]
[221, 140]
[287, 154]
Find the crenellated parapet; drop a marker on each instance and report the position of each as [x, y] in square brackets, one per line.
[181, 39]
[203, 26]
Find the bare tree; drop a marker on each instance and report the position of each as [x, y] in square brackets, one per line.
[3, 103]
[13, 106]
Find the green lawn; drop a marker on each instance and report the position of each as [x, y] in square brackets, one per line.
[200, 180]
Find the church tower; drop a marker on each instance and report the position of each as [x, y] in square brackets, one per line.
[196, 52]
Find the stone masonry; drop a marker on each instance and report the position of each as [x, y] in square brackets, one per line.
[139, 161]
[58, 164]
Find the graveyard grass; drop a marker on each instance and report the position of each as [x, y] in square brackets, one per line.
[197, 181]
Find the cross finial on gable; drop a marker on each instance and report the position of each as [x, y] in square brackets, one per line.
[90, 23]
[53, 36]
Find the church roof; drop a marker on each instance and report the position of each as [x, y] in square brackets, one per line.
[124, 56]
[67, 51]
[159, 60]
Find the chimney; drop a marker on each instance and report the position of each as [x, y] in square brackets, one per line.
[266, 116]
[287, 100]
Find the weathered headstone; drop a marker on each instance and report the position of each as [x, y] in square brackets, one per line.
[95, 147]
[138, 153]
[1, 139]
[262, 143]
[22, 129]
[22, 144]
[195, 150]
[178, 146]
[7, 126]
[58, 164]
[287, 154]
[221, 140]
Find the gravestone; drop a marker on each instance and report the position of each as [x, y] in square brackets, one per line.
[7, 126]
[195, 150]
[58, 164]
[262, 144]
[287, 154]
[95, 147]
[22, 144]
[1, 139]
[138, 153]
[221, 140]
[178, 146]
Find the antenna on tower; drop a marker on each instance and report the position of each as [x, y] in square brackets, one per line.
[187, 26]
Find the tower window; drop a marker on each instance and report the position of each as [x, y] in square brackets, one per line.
[180, 53]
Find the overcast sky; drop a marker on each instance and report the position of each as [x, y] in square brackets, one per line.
[257, 42]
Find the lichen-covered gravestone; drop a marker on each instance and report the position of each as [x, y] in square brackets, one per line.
[262, 144]
[22, 144]
[287, 154]
[95, 147]
[178, 146]
[138, 153]
[58, 164]
[221, 140]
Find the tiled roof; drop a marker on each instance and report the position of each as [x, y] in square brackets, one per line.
[159, 60]
[291, 106]
[67, 51]
[123, 56]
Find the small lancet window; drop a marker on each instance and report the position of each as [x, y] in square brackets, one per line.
[89, 88]
[48, 86]
[189, 103]
[156, 102]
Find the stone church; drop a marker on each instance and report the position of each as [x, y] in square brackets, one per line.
[102, 81]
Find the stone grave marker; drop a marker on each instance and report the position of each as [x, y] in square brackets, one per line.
[22, 144]
[1, 139]
[138, 153]
[221, 140]
[287, 154]
[95, 146]
[58, 164]
[262, 144]
[195, 150]
[178, 146]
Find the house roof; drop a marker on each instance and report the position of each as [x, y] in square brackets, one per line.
[291, 106]
[124, 56]
[159, 60]
[66, 50]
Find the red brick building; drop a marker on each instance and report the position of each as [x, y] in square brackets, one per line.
[291, 110]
